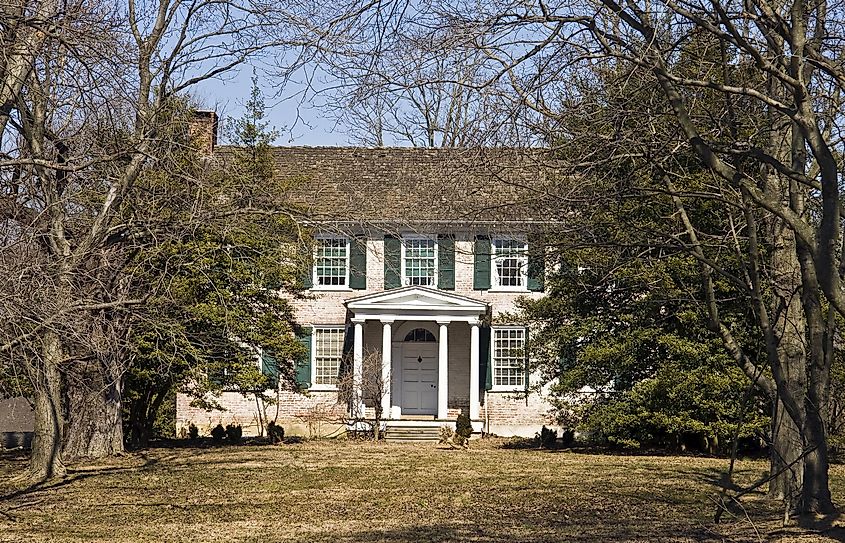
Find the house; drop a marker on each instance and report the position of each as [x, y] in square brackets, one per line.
[17, 423]
[419, 258]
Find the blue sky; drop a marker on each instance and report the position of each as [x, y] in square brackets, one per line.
[297, 123]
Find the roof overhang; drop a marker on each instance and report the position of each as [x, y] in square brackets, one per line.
[416, 303]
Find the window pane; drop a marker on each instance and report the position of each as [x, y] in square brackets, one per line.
[509, 357]
[331, 262]
[328, 351]
[511, 262]
[420, 263]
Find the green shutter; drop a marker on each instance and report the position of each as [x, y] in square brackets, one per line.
[527, 368]
[270, 368]
[358, 263]
[306, 266]
[481, 274]
[348, 346]
[536, 264]
[446, 262]
[303, 365]
[485, 373]
[392, 262]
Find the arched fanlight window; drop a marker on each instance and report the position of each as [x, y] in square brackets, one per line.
[420, 335]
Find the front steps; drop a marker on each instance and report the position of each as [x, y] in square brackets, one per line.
[412, 432]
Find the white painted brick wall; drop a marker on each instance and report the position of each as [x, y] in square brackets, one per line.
[513, 416]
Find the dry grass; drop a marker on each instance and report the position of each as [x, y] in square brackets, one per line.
[338, 491]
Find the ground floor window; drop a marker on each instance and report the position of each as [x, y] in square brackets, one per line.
[509, 357]
[328, 352]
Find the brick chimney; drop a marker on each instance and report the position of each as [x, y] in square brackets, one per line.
[203, 131]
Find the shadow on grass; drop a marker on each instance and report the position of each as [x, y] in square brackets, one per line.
[209, 443]
[183, 450]
[527, 532]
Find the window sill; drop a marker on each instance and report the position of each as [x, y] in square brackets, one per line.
[331, 289]
[512, 290]
[510, 389]
[323, 388]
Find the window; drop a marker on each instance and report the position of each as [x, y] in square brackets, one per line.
[328, 352]
[509, 357]
[419, 261]
[331, 263]
[420, 335]
[510, 264]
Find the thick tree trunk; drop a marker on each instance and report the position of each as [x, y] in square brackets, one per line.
[46, 459]
[792, 356]
[95, 427]
[785, 449]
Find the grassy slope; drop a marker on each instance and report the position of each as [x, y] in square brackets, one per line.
[336, 491]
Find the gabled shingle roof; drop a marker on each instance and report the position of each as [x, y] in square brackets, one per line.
[418, 185]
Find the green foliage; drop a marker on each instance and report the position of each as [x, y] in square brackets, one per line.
[218, 433]
[546, 438]
[193, 432]
[275, 432]
[212, 277]
[463, 426]
[234, 433]
[632, 357]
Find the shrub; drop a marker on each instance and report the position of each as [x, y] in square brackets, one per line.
[568, 437]
[547, 438]
[193, 432]
[218, 433]
[234, 433]
[275, 433]
[463, 426]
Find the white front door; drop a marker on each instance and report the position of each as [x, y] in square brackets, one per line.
[419, 378]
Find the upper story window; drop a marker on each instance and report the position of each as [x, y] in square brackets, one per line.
[508, 358]
[419, 261]
[510, 263]
[331, 262]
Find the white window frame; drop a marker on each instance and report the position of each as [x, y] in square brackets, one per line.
[314, 385]
[315, 283]
[409, 237]
[507, 388]
[495, 280]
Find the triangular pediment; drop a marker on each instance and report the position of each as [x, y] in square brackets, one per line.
[421, 298]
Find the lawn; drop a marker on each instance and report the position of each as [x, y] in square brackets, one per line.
[361, 491]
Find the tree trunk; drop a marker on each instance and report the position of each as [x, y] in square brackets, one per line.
[46, 459]
[95, 427]
[784, 449]
[792, 357]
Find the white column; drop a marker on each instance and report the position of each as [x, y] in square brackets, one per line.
[473, 371]
[386, 367]
[358, 370]
[443, 372]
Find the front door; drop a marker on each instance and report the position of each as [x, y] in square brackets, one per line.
[419, 378]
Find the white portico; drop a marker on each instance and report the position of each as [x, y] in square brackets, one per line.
[418, 324]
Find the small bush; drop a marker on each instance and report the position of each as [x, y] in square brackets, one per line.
[218, 433]
[568, 437]
[275, 433]
[547, 438]
[234, 433]
[463, 426]
[193, 432]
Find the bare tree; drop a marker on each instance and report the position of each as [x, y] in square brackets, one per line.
[368, 388]
[87, 91]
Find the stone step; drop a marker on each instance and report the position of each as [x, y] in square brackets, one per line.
[412, 433]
